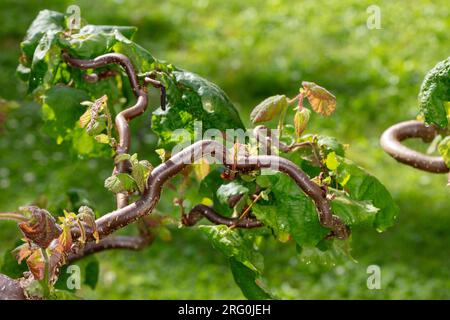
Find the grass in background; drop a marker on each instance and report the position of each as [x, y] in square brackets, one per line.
[254, 49]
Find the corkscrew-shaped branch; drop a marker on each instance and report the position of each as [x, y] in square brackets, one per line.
[391, 143]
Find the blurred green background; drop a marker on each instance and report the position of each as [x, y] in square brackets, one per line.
[254, 49]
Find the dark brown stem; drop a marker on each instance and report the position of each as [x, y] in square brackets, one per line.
[123, 131]
[391, 143]
[268, 140]
[117, 242]
[94, 77]
[200, 211]
[119, 218]
[126, 115]
[160, 86]
[104, 60]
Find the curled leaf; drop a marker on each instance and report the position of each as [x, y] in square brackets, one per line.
[36, 264]
[95, 109]
[41, 228]
[269, 108]
[85, 118]
[322, 101]
[22, 252]
[301, 120]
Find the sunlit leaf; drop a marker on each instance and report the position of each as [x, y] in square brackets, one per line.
[269, 109]
[444, 150]
[120, 182]
[301, 120]
[322, 101]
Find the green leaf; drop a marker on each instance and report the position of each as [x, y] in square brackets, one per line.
[140, 171]
[102, 138]
[269, 108]
[291, 212]
[89, 271]
[331, 161]
[363, 186]
[228, 190]
[61, 110]
[120, 182]
[434, 93]
[142, 60]
[46, 60]
[122, 157]
[92, 41]
[208, 189]
[444, 150]
[191, 98]
[327, 254]
[353, 212]
[45, 21]
[330, 144]
[249, 281]
[10, 266]
[231, 244]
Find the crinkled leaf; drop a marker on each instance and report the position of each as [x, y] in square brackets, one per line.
[301, 120]
[434, 93]
[322, 101]
[92, 41]
[269, 109]
[191, 98]
[230, 189]
[362, 186]
[36, 264]
[45, 21]
[291, 211]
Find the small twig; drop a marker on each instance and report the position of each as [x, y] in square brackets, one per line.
[160, 86]
[200, 211]
[117, 242]
[13, 216]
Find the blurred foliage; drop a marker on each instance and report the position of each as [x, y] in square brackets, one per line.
[254, 49]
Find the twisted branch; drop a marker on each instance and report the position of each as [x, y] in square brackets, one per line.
[121, 217]
[201, 211]
[118, 242]
[128, 114]
[391, 143]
